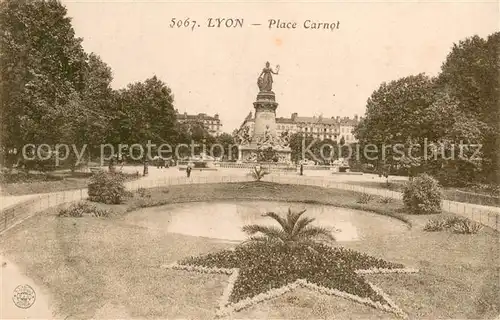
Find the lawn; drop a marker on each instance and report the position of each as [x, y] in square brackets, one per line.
[23, 184]
[454, 194]
[109, 268]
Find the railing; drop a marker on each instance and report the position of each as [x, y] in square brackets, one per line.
[267, 166]
[272, 166]
[473, 197]
[15, 214]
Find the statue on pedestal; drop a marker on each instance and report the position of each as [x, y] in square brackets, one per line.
[243, 136]
[265, 80]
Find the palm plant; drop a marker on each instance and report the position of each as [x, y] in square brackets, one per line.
[295, 230]
[258, 173]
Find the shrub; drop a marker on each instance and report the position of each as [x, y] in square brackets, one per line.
[107, 187]
[364, 198]
[76, 210]
[128, 194]
[451, 221]
[422, 195]
[82, 209]
[144, 193]
[455, 224]
[386, 200]
[146, 203]
[466, 226]
[435, 225]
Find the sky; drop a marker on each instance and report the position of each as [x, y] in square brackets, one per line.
[322, 72]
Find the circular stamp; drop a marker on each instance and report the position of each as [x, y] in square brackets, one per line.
[24, 296]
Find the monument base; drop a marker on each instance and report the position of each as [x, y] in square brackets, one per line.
[253, 154]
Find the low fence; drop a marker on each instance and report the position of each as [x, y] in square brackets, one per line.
[267, 166]
[473, 197]
[15, 214]
[272, 166]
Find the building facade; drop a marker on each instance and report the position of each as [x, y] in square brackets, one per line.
[211, 123]
[334, 128]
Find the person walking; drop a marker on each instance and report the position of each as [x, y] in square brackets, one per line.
[188, 171]
[301, 169]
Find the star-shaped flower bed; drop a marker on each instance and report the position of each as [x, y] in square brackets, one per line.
[263, 271]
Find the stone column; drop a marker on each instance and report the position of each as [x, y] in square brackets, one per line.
[265, 115]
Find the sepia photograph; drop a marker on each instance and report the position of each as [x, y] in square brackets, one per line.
[163, 159]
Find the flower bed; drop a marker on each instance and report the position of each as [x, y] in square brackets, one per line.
[262, 272]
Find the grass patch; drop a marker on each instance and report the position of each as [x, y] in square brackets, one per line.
[34, 183]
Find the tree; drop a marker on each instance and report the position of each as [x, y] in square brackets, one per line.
[394, 111]
[326, 150]
[42, 65]
[144, 112]
[299, 143]
[97, 101]
[395, 116]
[470, 77]
[295, 230]
[227, 142]
[90, 125]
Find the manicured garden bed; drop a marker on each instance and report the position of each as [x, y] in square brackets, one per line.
[266, 270]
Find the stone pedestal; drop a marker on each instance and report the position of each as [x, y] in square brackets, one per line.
[265, 115]
[264, 135]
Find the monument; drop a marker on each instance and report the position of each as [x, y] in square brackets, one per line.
[265, 145]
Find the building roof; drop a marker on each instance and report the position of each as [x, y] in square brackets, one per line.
[284, 120]
[295, 119]
[199, 116]
[348, 122]
[318, 120]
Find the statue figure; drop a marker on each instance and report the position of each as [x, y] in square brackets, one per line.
[243, 136]
[285, 139]
[265, 80]
[266, 140]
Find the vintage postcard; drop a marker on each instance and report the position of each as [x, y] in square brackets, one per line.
[249, 159]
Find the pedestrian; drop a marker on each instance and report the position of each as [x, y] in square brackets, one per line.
[188, 171]
[145, 169]
[301, 169]
[156, 159]
[111, 166]
[121, 159]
